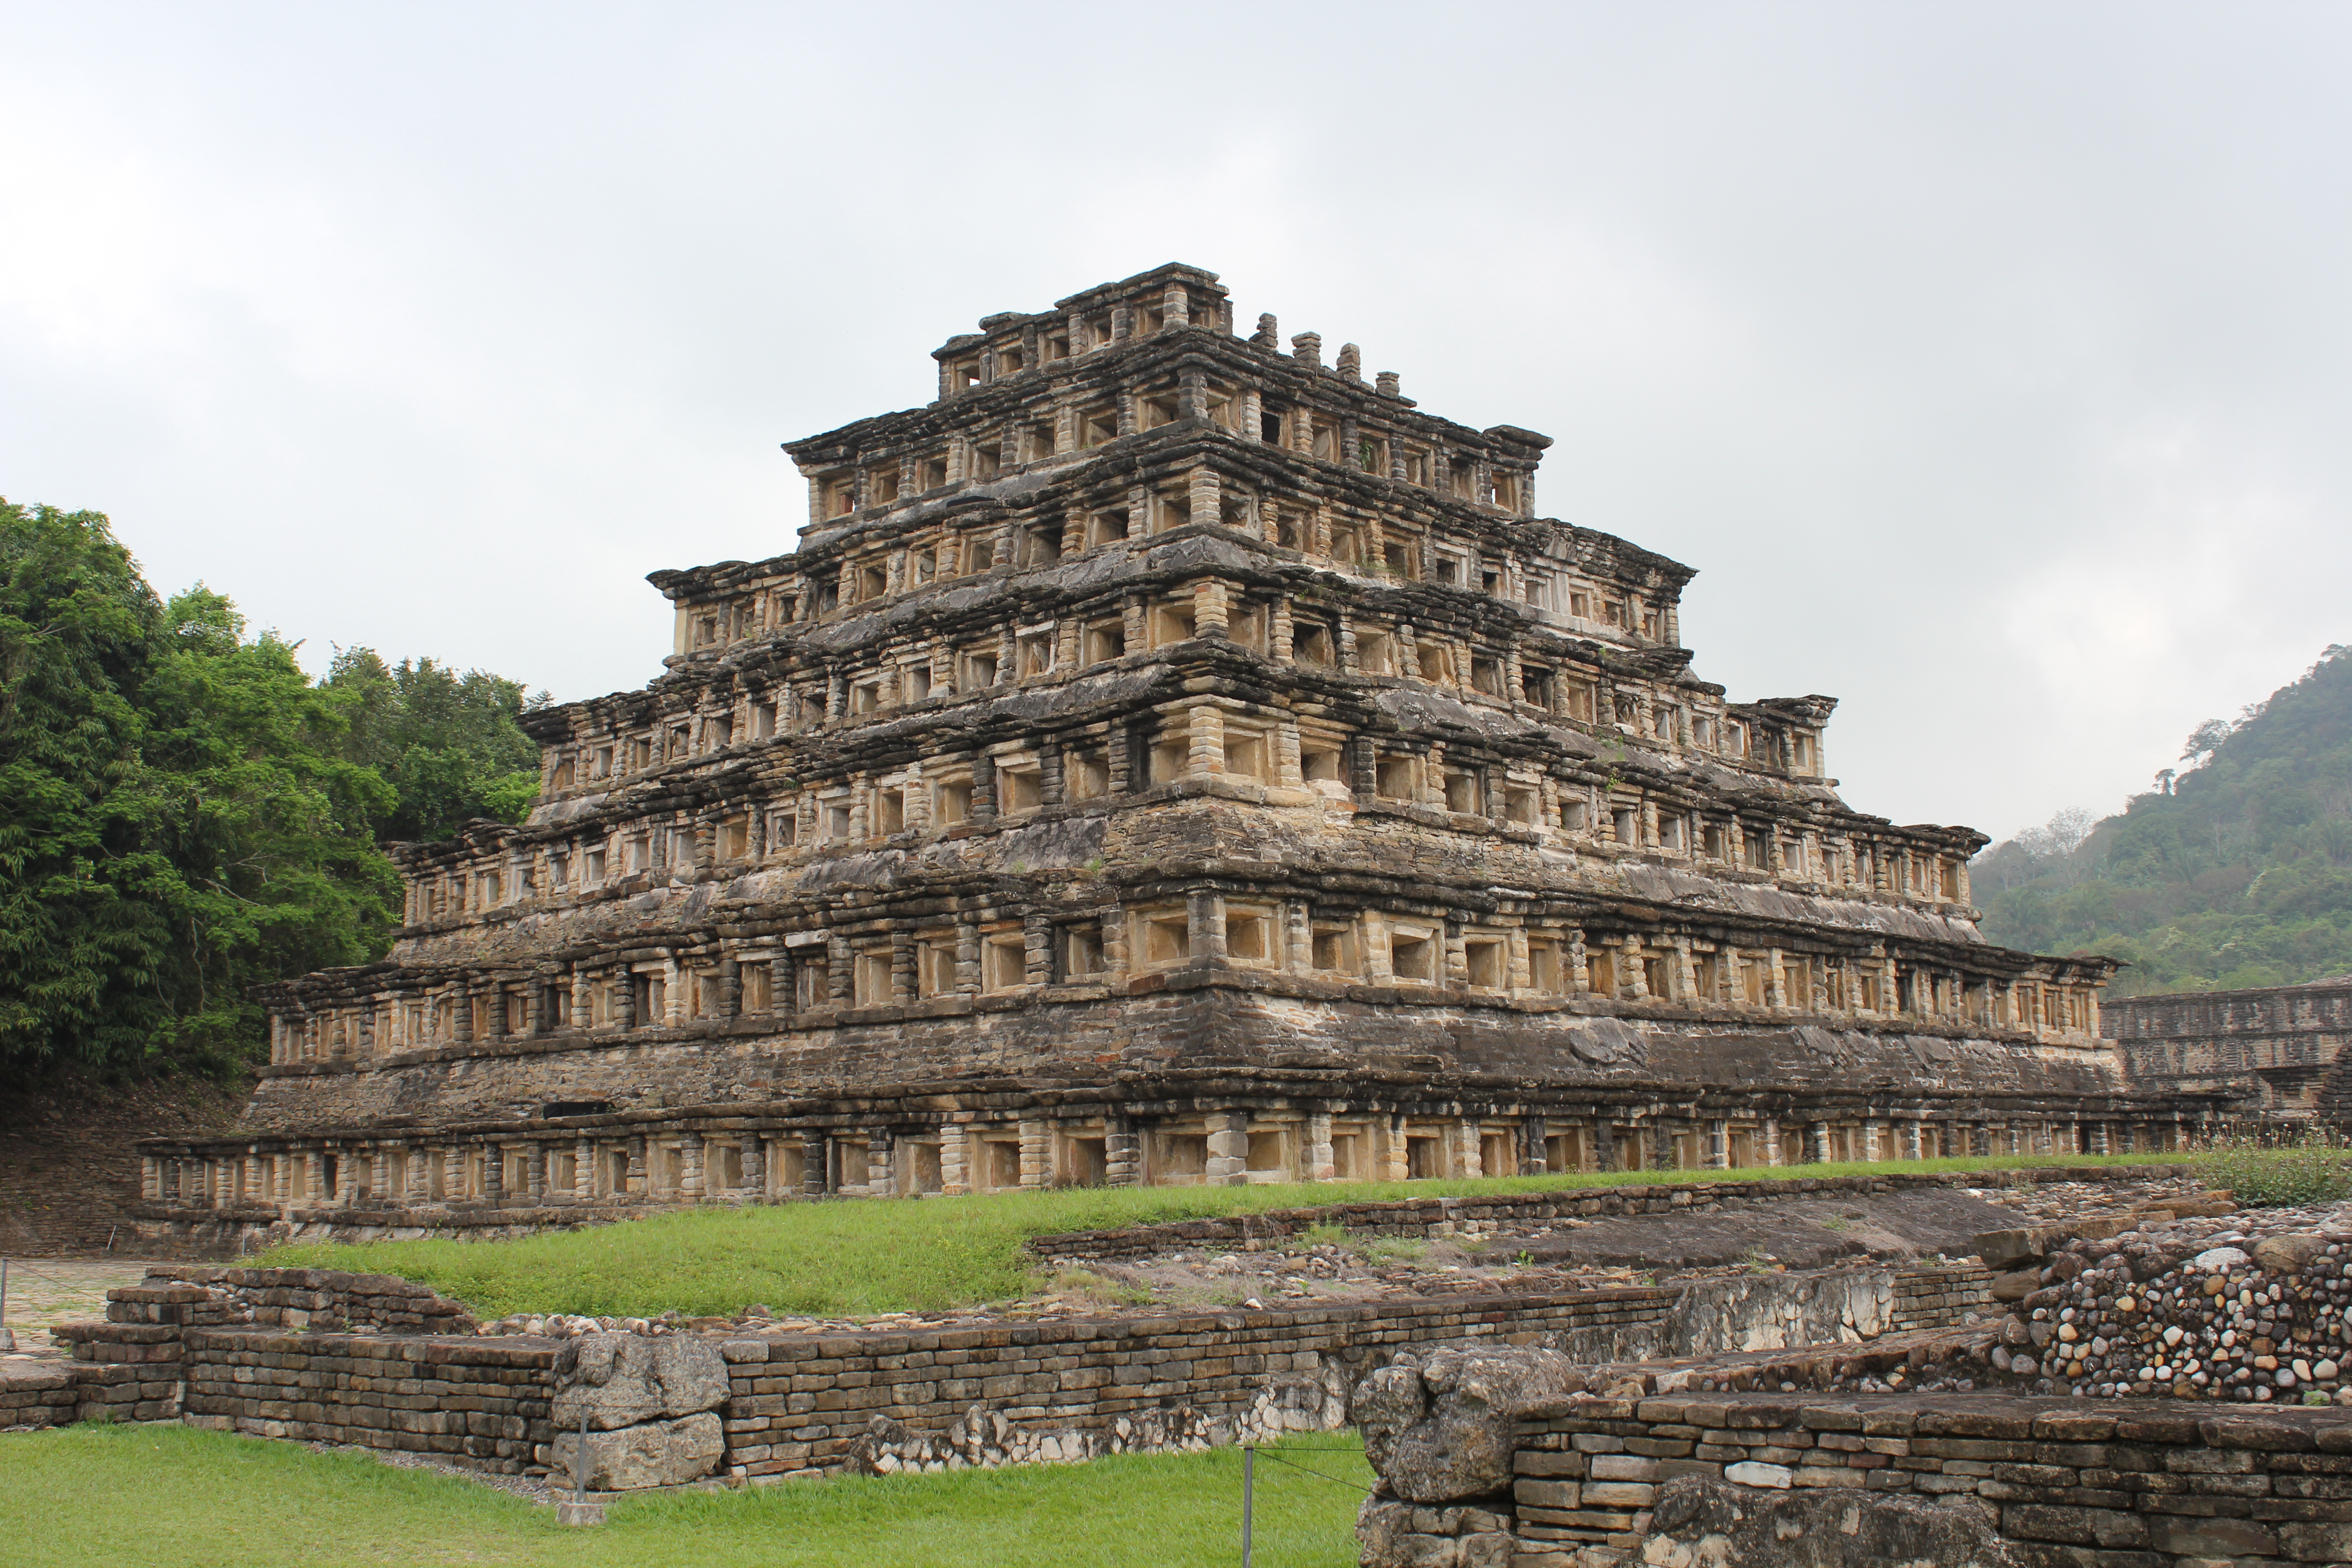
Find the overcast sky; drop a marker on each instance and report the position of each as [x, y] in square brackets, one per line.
[1988, 362]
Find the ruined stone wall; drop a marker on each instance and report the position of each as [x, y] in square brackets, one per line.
[481, 1401]
[1447, 1215]
[2067, 1480]
[2273, 1051]
[184, 1346]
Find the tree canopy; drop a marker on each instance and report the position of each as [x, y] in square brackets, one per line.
[2235, 872]
[185, 814]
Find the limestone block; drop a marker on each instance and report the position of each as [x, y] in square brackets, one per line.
[1443, 1432]
[1700, 1519]
[652, 1453]
[619, 1380]
[2287, 1254]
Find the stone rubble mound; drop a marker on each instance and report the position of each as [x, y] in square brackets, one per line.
[2258, 1319]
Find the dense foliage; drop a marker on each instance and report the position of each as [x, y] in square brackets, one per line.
[185, 813]
[445, 742]
[2235, 872]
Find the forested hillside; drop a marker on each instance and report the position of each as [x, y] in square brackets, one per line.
[184, 813]
[2235, 870]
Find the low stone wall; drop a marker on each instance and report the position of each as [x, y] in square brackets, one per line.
[313, 1298]
[2069, 1480]
[1504, 1456]
[1925, 1298]
[1433, 1216]
[483, 1401]
[267, 1352]
[38, 1396]
[805, 1404]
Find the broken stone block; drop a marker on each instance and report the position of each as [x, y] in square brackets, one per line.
[1700, 1519]
[1442, 1432]
[619, 1380]
[651, 1454]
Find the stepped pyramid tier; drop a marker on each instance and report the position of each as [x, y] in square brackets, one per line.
[1165, 758]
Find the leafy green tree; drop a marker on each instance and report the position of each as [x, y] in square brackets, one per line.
[82, 943]
[448, 744]
[2235, 872]
[184, 815]
[265, 820]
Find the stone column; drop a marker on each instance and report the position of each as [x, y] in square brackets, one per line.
[755, 1162]
[1772, 1141]
[493, 1171]
[1604, 1143]
[453, 1171]
[636, 1179]
[1470, 1155]
[1122, 1152]
[1228, 1148]
[815, 1179]
[1317, 1156]
[689, 1167]
[1719, 1144]
[1036, 1154]
[1817, 1142]
[1911, 1139]
[955, 1161]
[881, 1161]
[584, 1169]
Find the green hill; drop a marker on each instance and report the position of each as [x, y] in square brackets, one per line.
[2235, 872]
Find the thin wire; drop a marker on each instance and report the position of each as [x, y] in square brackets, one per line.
[1270, 1454]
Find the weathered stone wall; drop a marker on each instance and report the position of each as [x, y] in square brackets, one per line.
[33, 1395]
[1444, 1216]
[481, 1401]
[2273, 1050]
[799, 1403]
[2067, 1481]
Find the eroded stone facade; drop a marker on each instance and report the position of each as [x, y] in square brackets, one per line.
[1165, 758]
[2272, 1054]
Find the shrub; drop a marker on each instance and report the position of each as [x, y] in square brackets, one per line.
[2313, 1167]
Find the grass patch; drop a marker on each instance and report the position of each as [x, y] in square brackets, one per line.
[889, 1255]
[2314, 1168]
[172, 1497]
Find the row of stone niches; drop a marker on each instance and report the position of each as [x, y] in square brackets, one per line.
[1217, 1148]
[965, 958]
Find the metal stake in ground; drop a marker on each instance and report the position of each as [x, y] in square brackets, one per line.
[1249, 1478]
[580, 1510]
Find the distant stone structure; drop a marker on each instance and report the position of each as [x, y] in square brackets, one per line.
[1165, 758]
[2266, 1054]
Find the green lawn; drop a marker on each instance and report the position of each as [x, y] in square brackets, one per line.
[886, 1255]
[172, 1497]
